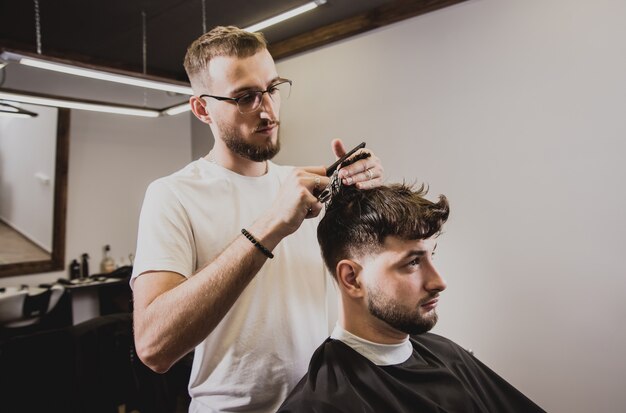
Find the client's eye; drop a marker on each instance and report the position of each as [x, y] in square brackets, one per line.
[247, 99]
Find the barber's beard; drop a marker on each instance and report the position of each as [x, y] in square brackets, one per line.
[407, 320]
[257, 152]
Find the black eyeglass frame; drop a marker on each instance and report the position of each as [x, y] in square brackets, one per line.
[251, 92]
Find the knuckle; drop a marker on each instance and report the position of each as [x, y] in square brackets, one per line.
[302, 193]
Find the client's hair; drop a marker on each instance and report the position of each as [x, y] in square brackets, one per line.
[358, 221]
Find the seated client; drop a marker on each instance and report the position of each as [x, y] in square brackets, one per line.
[379, 246]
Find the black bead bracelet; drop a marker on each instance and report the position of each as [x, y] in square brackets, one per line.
[257, 244]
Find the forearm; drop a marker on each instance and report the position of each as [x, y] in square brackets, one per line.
[177, 320]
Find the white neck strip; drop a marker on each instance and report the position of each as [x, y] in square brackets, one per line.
[379, 354]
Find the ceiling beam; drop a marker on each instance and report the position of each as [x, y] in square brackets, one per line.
[378, 17]
[381, 16]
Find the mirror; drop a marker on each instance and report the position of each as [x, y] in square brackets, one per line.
[45, 201]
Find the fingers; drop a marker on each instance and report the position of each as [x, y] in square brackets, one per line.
[338, 149]
[296, 201]
[312, 206]
[372, 183]
[314, 209]
[366, 173]
[312, 178]
[316, 170]
[315, 183]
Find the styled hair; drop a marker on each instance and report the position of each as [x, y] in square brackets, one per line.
[221, 41]
[357, 222]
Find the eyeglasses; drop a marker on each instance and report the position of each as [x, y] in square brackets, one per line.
[251, 101]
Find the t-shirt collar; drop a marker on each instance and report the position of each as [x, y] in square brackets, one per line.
[379, 354]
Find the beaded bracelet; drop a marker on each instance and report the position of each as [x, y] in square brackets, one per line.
[257, 244]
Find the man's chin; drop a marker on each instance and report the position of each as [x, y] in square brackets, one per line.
[424, 325]
[264, 153]
[254, 151]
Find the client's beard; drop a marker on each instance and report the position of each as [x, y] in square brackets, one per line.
[254, 152]
[409, 321]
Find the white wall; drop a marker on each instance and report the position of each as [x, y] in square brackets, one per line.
[202, 139]
[112, 160]
[515, 110]
[27, 172]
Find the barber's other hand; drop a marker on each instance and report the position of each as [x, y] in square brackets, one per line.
[296, 201]
[366, 173]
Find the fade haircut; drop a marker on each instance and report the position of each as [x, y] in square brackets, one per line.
[357, 222]
[220, 41]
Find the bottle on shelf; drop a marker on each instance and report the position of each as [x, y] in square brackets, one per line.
[74, 270]
[84, 266]
[108, 264]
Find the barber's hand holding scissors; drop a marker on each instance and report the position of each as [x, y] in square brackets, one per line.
[296, 200]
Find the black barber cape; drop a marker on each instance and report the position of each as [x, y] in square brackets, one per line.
[440, 376]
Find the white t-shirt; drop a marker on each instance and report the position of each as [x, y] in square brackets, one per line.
[262, 347]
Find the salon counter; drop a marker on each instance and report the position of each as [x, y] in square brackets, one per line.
[98, 296]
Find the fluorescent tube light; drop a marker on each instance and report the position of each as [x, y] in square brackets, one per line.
[175, 110]
[97, 74]
[68, 68]
[70, 104]
[284, 16]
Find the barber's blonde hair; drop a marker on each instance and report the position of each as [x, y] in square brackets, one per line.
[221, 41]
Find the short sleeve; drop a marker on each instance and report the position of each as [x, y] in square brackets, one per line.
[165, 238]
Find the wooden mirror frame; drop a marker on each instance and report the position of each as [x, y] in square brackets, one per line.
[57, 256]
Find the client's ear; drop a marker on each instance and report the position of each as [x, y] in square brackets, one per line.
[348, 278]
[199, 109]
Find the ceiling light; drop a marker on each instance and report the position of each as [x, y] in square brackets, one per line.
[72, 69]
[75, 104]
[175, 110]
[7, 109]
[284, 16]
